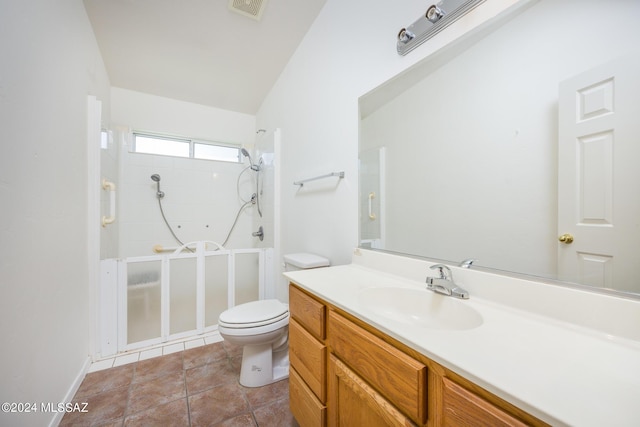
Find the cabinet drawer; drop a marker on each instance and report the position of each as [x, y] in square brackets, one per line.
[308, 311]
[463, 407]
[395, 375]
[305, 407]
[308, 356]
[355, 403]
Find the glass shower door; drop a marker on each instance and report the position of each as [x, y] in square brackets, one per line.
[143, 301]
[182, 295]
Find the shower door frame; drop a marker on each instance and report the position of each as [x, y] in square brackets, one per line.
[265, 256]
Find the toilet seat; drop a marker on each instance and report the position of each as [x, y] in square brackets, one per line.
[256, 314]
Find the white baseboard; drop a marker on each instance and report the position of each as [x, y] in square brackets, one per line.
[73, 389]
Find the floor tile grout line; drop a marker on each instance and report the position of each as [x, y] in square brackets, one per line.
[132, 384]
[186, 392]
[230, 354]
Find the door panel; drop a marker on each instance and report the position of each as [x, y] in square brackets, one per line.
[598, 202]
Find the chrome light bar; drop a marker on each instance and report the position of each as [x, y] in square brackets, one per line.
[437, 17]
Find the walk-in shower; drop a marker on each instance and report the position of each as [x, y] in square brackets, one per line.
[155, 291]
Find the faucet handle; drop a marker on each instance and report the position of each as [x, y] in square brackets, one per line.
[445, 272]
[467, 262]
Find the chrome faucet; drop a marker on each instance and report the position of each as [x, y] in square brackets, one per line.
[445, 284]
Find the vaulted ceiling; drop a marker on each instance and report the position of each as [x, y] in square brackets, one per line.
[199, 50]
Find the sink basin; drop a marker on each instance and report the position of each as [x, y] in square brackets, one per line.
[418, 307]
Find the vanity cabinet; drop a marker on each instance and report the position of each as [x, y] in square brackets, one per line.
[308, 359]
[344, 372]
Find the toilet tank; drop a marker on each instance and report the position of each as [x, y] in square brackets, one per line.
[304, 261]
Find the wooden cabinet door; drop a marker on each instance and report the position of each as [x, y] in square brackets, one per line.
[354, 403]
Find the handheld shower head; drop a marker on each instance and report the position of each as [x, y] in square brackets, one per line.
[156, 178]
[247, 155]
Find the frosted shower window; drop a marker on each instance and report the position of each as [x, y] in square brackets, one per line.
[168, 146]
[163, 146]
[215, 152]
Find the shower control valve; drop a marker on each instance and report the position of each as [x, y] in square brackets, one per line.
[259, 233]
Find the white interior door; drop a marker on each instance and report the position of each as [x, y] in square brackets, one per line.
[598, 176]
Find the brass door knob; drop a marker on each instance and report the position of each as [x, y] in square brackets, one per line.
[566, 238]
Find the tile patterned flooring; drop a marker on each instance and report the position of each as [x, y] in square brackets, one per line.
[194, 387]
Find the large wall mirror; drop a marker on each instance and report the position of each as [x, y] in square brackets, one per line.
[519, 148]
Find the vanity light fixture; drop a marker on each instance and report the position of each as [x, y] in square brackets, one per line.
[405, 36]
[434, 13]
[437, 17]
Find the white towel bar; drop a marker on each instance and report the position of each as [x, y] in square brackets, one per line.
[301, 182]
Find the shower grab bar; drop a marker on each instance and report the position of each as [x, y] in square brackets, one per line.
[372, 195]
[302, 181]
[176, 249]
[159, 248]
[111, 188]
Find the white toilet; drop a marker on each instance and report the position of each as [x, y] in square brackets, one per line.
[262, 327]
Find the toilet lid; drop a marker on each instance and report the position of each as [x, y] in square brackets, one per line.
[255, 313]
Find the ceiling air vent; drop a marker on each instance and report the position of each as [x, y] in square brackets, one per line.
[251, 8]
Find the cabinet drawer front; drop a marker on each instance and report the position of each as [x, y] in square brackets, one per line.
[308, 311]
[308, 356]
[395, 375]
[355, 403]
[463, 407]
[305, 407]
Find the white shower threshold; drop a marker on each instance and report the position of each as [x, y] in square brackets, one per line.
[155, 351]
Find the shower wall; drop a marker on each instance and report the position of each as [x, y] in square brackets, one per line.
[201, 200]
[200, 203]
[265, 149]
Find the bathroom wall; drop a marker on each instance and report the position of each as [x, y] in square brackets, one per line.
[50, 63]
[201, 200]
[349, 50]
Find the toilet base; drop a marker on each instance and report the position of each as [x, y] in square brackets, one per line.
[261, 365]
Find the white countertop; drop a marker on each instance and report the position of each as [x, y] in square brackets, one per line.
[562, 373]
